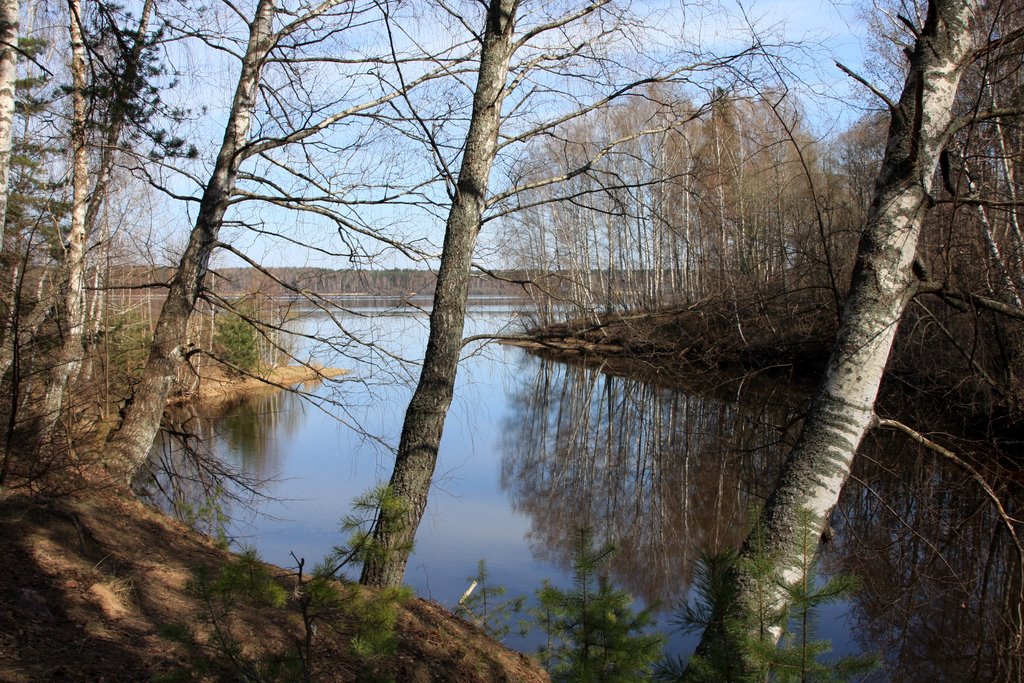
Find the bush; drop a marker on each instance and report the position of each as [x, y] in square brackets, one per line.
[235, 341]
[593, 634]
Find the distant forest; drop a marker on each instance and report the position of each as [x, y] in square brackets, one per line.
[403, 282]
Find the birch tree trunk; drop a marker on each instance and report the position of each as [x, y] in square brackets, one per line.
[425, 416]
[883, 283]
[73, 320]
[8, 77]
[129, 446]
[86, 204]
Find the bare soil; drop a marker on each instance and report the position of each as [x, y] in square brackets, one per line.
[93, 580]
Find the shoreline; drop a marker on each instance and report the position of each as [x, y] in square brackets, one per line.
[218, 384]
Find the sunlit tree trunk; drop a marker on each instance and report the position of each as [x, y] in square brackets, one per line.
[883, 283]
[425, 416]
[73, 319]
[8, 77]
[130, 445]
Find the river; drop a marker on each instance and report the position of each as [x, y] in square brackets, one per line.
[535, 449]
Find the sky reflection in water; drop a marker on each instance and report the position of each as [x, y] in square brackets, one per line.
[533, 449]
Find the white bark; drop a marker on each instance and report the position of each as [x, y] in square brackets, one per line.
[8, 76]
[85, 204]
[73, 319]
[883, 283]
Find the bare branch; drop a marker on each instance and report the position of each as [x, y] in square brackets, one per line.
[860, 79]
[967, 467]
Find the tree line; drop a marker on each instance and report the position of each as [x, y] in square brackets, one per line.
[294, 281]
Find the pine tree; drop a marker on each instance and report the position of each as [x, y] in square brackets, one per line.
[235, 342]
[484, 606]
[593, 633]
[716, 611]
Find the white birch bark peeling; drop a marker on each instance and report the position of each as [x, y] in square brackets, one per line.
[883, 282]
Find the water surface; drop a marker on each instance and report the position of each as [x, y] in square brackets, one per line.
[535, 449]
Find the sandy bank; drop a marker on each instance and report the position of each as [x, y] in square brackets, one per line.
[217, 383]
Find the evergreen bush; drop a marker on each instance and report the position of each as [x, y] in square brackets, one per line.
[236, 341]
[484, 606]
[593, 634]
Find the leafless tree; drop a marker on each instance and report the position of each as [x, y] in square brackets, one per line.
[923, 120]
[517, 65]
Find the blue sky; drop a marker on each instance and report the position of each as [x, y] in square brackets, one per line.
[814, 33]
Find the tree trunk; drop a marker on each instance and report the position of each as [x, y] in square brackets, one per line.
[8, 77]
[883, 283]
[127, 83]
[425, 416]
[73, 319]
[129, 446]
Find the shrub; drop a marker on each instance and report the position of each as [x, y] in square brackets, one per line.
[235, 341]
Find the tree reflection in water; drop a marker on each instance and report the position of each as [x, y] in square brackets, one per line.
[218, 458]
[942, 595]
[660, 473]
[664, 473]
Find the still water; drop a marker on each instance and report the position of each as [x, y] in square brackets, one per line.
[534, 449]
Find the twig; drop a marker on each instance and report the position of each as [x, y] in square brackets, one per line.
[967, 467]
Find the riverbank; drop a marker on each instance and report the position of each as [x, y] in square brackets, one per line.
[676, 344]
[219, 384]
[717, 343]
[99, 587]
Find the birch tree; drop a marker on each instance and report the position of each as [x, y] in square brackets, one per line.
[922, 121]
[131, 443]
[73, 264]
[8, 77]
[107, 70]
[283, 39]
[515, 64]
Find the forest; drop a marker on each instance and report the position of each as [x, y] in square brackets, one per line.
[688, 191]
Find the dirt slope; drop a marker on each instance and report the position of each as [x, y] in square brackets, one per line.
[91, 582]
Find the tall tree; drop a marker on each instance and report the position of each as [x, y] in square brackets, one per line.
[425, 416]
[130, 444]
[8, 77]
[884, 281]
[550, 56]
[111, 96]
[285, 40]
[69, 357]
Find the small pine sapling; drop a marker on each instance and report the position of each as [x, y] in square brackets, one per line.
[482, 604]
[593, 633]
[798, 656]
